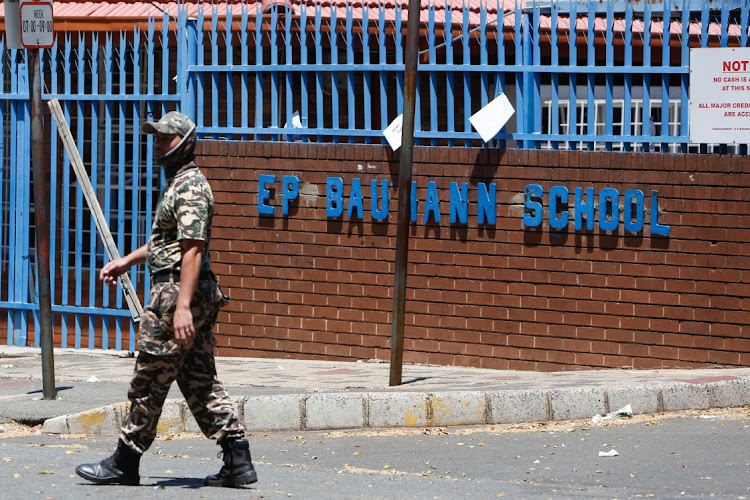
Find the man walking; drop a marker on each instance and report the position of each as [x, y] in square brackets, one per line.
[176, 340]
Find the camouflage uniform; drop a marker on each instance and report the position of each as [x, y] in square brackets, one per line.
[184, 211]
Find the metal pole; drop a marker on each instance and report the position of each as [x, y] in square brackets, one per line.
[189, 97]
[404, 192]
[41, 202]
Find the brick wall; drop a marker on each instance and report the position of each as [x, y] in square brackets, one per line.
[502, 295]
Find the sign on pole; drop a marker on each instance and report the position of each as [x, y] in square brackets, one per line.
[13, 24]
[719, 106]
[37, 25]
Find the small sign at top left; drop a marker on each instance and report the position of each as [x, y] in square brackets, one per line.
[12, 25]
[37, 25]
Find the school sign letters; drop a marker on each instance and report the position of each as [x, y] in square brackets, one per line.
[588, 210]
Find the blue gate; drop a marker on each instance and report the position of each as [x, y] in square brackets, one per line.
[107, 85]
[310, 72]
[336, 74]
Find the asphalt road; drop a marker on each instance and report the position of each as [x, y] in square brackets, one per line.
[696, 454]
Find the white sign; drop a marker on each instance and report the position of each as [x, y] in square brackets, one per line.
[490, 119]
[393, 133]
[37, 27]
[12, 24]
[719, 106]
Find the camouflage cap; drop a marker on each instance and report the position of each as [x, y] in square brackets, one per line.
[171, 123]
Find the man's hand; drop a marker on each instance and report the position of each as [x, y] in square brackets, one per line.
[113, 270]
[184, 330]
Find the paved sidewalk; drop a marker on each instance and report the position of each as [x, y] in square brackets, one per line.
[279, 394]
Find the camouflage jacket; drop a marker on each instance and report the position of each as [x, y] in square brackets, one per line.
[184, 211]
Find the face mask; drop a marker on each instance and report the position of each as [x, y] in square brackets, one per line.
[180, 155]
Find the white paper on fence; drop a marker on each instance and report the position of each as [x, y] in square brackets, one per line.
[296, 120]
[393, 131]
[490, 119]
[296, 123]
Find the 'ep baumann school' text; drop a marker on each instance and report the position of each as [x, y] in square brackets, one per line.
[584, 207]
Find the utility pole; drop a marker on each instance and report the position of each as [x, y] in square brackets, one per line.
[41, 173]
[30, 24]
[404, 192]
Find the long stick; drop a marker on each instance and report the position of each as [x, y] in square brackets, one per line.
[136, 310]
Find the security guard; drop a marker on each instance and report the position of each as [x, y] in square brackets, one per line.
[176, 340]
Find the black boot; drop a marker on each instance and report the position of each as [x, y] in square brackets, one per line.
[238, 468]
[120, 468]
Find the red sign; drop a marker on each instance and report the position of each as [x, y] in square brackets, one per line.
[37, 25]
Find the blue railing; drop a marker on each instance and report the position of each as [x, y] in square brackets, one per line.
[107, 86]
[345, 81]
[252, 75]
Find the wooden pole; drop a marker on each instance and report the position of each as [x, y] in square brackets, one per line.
[404, 193]
[41, 220]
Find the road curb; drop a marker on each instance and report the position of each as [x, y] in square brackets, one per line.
[355, 410]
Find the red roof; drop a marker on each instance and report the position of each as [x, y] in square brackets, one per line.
[113, 12]
[143, 9]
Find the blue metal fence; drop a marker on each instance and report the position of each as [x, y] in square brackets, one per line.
[309, 73]
[343, 76]
[107, 87]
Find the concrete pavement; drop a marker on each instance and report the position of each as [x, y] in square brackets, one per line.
[280, 394]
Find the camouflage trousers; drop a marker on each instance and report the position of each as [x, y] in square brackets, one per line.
[161, 361]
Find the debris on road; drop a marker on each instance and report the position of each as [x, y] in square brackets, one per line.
[624, 412]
